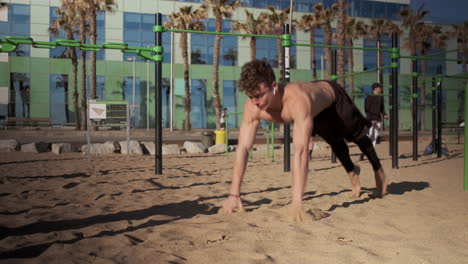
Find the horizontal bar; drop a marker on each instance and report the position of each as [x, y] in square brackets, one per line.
[338, 47]
[220, 33]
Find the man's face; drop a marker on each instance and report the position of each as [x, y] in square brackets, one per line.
[378, 90]
[262, 96]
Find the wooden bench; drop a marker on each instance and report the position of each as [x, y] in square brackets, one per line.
[27, 122]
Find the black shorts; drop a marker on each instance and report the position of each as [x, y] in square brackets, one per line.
[340, 120]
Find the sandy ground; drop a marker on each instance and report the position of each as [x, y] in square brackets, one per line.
[65, 209]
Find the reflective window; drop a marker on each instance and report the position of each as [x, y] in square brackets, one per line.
[230, 101]
[19, 95]
[63, 52]
[58, 99]
[370, 56]
[99, 87]
[132, 93]
[166, 102]
[138, 32]
[17, 26]
[198, 115]
[202, 46]
[268, 48]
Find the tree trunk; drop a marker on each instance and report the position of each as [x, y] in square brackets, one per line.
[340, 41]
[350, 68]
[253, 46]
[92, 33]
[187, 100]
[216, 99]
[280, 60]
[313, 55]
[328, 54]
[84, 107]
[74, 80]
[379, 62]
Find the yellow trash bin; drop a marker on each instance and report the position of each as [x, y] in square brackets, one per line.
[220, 136]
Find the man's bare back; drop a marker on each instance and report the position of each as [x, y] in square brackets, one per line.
[298, 98]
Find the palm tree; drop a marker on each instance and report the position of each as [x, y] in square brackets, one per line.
[67, 22]
[81, 7]
[96, 6]
[461, 34]
[221, 9]
[187, 18]
[430, 36]
[251, 26]
[326, 16]
[274, 23]
[353, 29]
[376, 31]
[414, 23]
[340, 41]
[309, 23]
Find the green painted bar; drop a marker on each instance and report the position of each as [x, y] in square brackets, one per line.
[220, 33]
[338, 47]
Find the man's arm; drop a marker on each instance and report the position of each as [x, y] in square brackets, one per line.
[302, 138]
[246, 139]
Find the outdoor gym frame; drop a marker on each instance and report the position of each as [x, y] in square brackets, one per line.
[10, 44]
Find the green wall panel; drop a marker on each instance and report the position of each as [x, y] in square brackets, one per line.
[60, 66]
[41, 65]
[20, 64]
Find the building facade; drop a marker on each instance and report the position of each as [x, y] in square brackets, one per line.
[36, 82]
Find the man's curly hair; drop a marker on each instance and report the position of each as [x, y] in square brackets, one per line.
[254, 73]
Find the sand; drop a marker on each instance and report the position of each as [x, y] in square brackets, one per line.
[66, 209]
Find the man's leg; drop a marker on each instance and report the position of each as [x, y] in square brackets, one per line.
[341, 150]
[365, 145]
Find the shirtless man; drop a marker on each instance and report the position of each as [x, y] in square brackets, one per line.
[321, 108]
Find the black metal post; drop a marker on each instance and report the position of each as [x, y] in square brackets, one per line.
[434, 112]
[287, 126]
[395, 102]
[390, 131]
[415, 109]
[333, 73]
[158, 101]
[439, 111]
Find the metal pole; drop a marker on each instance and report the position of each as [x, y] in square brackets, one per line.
[171, 96]
[333, 73]
[287, 127]
[439, 111]
[415, 109]
[395, 55]
[321, 67]
[133, 99]
[158, 101]
[466, 136]
[434, 112]
[379, 63]
[390, 109]
[147, 94]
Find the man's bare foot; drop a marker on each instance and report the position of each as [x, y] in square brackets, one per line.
[354, 178]
[380, 183]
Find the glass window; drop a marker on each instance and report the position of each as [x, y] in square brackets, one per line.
[100, 86]
[138, 32]
[230, 101]
[58, 99]
[166, 102]
[370, 56]
[198, 102]
[17, 26]
[130, 89]
[62, 52]
[19, 103]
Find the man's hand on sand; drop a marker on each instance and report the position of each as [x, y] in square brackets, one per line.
[232, 204]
